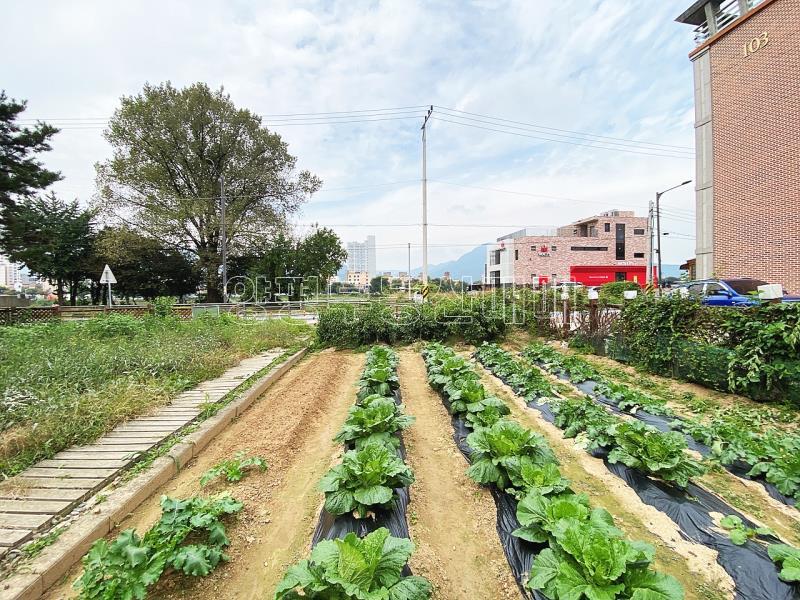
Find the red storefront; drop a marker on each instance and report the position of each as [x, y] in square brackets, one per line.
[598, 275]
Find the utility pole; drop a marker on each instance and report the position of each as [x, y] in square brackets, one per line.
[408, 279]
[224, 239]
[658, 234]
[425, 198]
[649, 277]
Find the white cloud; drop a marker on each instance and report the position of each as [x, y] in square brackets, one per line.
[613, 68]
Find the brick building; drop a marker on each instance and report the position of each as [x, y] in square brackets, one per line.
[747, 136]
[611, 246]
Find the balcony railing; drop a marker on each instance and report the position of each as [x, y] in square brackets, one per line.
[727, 12]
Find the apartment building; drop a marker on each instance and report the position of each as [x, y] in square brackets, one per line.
[611, 246]
[358, 278]
[361, 256]
[747, 100]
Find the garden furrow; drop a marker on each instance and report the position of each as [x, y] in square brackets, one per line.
[556, 544]
[695, 511]
[452, 518]
[292, 425]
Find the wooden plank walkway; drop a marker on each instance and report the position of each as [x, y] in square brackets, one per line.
[31, 501]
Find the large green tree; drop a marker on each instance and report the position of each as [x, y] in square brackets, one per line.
[53, 238]
[171, 149]
[143, 266]
[21, 174]
[290, 258]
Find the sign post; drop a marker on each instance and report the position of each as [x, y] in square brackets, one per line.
[108, 278]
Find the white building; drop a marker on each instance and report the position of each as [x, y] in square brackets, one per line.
[11, 275]
[361, 256]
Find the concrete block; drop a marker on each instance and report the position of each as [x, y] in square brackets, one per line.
[22, 587]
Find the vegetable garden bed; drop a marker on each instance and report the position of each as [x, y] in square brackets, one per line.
[651, 462]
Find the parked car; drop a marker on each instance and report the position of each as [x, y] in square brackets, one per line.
[726, 292]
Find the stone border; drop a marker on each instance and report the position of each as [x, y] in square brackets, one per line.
[55, 561]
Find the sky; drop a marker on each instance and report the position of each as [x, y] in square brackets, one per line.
[534, 70]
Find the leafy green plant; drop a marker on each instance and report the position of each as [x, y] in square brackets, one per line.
[502, 452]
[589, 558]
[126, 567]
[788, 558]
[365, 479]
[739, 532]
[234, 469]
[646, 449]
[583, 419]
[523, 379]
[486, 412]
[378, 418]
[34, 548]
[358, 569]
[630, 400]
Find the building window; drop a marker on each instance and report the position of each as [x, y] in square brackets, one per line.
[554, 277]
[516, 254]
[533, 248]
[620, 232]
[589, 248]
[619, 276]
[552, 248]
[638, 232]
[607, 227]
[638, 255]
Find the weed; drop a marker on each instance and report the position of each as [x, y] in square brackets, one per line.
[234, 469]
[34, 548]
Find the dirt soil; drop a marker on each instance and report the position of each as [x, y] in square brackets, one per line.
[292, 426]
[694, 565]
[452, 519]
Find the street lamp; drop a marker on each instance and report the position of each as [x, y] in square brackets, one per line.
[658, 223]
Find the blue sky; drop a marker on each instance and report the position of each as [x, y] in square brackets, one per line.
[614, 68]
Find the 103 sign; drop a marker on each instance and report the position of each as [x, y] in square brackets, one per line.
[755, 44]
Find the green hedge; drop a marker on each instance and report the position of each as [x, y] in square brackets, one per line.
[752, 351]
[349, 326]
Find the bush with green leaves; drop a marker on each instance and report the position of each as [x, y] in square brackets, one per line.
[657, 453]
[355, 569]
[470, 319]
[788, 559]
[234, 469]
[126, 567]
[365, 480]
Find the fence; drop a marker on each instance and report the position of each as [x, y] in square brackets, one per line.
[262, 310]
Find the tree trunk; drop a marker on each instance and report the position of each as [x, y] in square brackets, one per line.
[210, 263]
[60, 291]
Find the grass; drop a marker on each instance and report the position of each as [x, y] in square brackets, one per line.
[68, 383]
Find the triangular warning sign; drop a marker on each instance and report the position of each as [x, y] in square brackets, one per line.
[107, 276]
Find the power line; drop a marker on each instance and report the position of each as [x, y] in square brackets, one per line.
[585, 134]
[263, 115]
[536, 137]
[627, 144]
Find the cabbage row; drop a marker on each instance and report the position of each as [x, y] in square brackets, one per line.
[368, 568]
[632, 443]
[582, 554]
[769, 453]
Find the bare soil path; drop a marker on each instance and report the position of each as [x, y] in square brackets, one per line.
[292, 426]
[452, 519]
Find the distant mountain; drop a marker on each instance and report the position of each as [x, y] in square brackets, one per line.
[468, 265]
